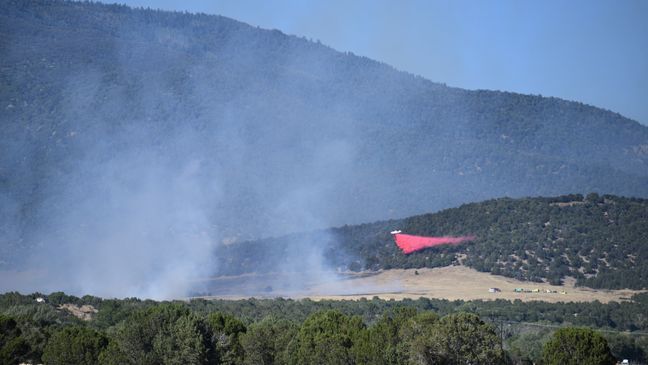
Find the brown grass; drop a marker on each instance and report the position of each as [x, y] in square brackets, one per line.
[460, 282]
[452, 282]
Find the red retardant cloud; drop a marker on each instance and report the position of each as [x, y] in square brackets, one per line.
[408, 243]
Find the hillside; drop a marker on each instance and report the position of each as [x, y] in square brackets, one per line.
[602, 241]
[131, 125]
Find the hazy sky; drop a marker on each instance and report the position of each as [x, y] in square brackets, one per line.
[590, 51]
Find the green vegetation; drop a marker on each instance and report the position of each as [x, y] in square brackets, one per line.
[600, 240]
[267, 341]
[460, 338]
[83, 82]
[575, 346]
[13, 347]
[164, 334]
[327, 337]
[280, 331]
[74, 345]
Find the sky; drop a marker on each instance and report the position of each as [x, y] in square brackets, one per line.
[595, 52]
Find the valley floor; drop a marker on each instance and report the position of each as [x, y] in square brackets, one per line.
[453, 282]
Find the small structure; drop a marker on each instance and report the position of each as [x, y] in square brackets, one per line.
[40, 300]
[494, 290]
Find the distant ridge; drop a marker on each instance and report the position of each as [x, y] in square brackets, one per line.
[265, 133]
[601, 241]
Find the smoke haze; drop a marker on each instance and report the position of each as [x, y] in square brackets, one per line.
[135, 205]
[137, 144]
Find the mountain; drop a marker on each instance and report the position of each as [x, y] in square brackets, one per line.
[602, 241]
[131, 125]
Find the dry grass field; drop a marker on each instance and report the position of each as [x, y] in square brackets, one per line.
[453, 282]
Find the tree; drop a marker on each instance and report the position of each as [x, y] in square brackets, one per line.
[135, 340]
[266, 342]
[225, 331]
[526, 348]
[327, 337]
[74, 345]
[388, 340]
[573, 346]
[12, 346]
[182, 343]
[623, 346]
[460, 338]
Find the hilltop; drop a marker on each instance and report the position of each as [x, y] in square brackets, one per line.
[221, 129]
[601, 241]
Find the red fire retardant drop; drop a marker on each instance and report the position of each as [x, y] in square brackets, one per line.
[409, 243]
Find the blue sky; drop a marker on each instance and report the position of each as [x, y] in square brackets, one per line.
[591, 51]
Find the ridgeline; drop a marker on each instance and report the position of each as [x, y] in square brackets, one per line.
[602, 241]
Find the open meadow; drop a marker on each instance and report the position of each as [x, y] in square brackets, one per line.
[451, 282]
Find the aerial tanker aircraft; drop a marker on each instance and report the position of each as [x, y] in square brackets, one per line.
[410, 243]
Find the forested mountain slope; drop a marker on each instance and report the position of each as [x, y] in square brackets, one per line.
[600, 240]
[193, 125]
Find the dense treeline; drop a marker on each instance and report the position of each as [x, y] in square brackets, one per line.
[272, 118]
[282, 331]
[602, 241]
